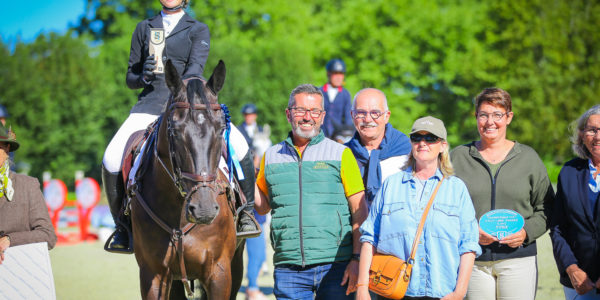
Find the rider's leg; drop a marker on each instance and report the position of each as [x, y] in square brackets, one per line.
[241, 149]
[247, 185]
[111, 172]
[114, 190]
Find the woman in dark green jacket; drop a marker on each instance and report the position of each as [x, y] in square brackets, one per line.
[503, 174]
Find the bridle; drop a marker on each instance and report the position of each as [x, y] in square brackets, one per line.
[202, 180]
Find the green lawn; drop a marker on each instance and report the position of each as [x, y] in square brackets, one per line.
[86, 271]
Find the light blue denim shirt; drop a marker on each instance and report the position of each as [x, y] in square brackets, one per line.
[451, 229]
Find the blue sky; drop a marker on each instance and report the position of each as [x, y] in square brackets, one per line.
[27, 19]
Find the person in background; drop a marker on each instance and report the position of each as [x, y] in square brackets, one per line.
[257, 137]
[255, 247]
[249, 126]
[379, 148]
[313, 188]
[575, 217]
[3, 115]
[336, 98]
[24, 217]
[504, 174]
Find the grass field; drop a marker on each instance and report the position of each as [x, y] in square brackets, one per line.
[86, 271]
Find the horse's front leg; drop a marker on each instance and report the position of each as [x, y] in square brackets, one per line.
[219, 286]
[154, 286]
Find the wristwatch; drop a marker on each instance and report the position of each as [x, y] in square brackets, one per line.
[355, 256]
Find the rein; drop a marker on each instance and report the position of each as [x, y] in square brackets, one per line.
[177, 176]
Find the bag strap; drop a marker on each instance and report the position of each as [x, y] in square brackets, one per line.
[413, 252]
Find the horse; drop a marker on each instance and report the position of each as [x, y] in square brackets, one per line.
[183, 222]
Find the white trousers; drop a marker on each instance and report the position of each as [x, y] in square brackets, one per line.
[137, 121]
[114, 151]
[508, 279]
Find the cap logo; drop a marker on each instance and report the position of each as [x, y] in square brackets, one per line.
[426, 122]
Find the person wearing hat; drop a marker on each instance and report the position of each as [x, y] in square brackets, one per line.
[449, 242]
[504, 174]
[255, 247]
[337, 99]
[249, 126]
[24, 217]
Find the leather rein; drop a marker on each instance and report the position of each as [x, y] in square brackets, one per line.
[202, 180]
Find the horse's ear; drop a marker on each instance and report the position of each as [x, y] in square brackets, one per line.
[217, 79]
[172, 77]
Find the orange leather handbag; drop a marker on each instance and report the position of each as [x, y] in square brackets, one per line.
[389, 275]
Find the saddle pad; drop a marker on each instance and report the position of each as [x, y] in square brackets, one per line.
[136, 165]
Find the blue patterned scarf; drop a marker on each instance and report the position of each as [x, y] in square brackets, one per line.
[394, 143]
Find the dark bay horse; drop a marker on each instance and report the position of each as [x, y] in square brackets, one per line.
[182, 220]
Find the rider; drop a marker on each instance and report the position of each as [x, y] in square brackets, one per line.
[187, 43]
[337, 99]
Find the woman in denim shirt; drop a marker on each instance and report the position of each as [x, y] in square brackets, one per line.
[449, 242]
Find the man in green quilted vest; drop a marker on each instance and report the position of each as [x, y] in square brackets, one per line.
[313, 188]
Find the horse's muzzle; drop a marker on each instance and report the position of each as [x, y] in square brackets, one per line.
[202, 213]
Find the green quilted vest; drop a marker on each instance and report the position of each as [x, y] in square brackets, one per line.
[311, 221]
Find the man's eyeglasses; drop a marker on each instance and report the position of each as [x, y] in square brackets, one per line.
[591, 131]
[361, 114]
[496, 116]
[301, 112]
[428, 138]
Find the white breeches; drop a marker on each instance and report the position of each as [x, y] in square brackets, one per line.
[114, 151]
[137, 121]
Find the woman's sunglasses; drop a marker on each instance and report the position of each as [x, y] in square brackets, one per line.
[428, 138]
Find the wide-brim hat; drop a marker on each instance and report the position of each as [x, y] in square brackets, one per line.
[431, 125]
[8, 136]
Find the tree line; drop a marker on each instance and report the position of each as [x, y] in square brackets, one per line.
[67, 96]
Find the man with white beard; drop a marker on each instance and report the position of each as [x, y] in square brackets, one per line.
[379, 148]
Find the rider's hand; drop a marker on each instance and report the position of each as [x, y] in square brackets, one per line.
[149, 66]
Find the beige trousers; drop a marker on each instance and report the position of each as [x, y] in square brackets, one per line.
[509, 279]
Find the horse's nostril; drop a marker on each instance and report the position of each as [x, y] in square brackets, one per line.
[191, 210]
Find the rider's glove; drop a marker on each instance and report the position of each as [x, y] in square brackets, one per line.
[148, 72]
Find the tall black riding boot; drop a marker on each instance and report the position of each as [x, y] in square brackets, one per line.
[114, 189]
[247, 224]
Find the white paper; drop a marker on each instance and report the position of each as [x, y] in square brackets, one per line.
[26, 273]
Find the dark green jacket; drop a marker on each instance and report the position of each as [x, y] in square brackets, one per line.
[311, 221]
[521, 183]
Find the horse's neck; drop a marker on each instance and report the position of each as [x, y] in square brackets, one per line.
[157, 184]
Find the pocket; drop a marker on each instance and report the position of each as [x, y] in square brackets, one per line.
[393, 208]
[445, 223]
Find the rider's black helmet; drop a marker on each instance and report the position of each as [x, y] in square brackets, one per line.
[336, 65]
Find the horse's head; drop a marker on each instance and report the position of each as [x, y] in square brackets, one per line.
[195, 125]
